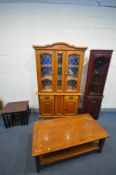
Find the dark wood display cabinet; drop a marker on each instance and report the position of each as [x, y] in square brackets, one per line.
[96, 76]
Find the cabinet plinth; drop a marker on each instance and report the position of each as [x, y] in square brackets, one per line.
[59, 73]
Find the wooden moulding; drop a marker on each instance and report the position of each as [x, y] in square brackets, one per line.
[53, 93]
[59, 46]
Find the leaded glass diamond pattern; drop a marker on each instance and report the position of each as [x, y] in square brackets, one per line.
[72, 72]
[46, 59]
[46, 71]
[73, 60]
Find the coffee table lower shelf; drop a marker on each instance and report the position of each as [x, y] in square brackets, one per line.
[59, 155]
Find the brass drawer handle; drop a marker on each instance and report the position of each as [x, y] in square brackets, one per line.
[71, 98]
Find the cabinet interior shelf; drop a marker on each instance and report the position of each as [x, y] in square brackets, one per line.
[71, 66]
[46, 78]
[46, 65]
[69, 79]
[97, 83]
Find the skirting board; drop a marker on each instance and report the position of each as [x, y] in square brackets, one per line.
[102, 110]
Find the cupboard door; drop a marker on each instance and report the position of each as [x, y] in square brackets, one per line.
[45, 70]
[99, 68]
[47, 105]
[92, 106]
[73, 71]
[59, 105]
[59, 70]
[70, 105]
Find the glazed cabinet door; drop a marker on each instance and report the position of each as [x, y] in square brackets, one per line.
[59, 105]
[46, 105]
[100, 61]
[73, 71]
[70, 105]
[92, 105]
[45, 70]
[59, 70]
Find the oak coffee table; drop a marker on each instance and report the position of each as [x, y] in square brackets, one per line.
[61, 138]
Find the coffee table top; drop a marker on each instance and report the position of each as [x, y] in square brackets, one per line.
[15, 107]
[60, 133]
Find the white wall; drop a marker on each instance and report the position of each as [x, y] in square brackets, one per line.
[25, 24]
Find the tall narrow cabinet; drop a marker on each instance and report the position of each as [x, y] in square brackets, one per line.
[96, 77]
[59, 72]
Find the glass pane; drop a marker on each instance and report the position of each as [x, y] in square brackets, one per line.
[59, 84]
[73, 66]
[97, 78]
[59, 59]
[47, 85]
[46, 59]
[100, 65]
[72, 85]
[95, 88]
[46, 72]
[72, 72]
[73, 60]
[59, 71]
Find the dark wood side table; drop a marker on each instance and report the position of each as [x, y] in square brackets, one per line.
[15, 110]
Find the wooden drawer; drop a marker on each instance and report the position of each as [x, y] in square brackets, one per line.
[47, 97]
[71, 98]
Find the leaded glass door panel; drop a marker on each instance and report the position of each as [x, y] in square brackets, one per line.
[100, 66]
[46, 71]
[72, 71]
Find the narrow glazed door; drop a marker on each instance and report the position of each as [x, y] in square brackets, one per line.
[59, 70]
[99, 71]
[59, 105]
[46, 105]
[45, 70]
[70, 105]
[73, 71]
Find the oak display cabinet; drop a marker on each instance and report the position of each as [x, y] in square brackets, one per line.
[96, 77]
[59, 72]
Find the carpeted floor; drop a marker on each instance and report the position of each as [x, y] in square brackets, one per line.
[16, 159]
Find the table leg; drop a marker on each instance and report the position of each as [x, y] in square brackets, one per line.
[26, 117]
[11, 119]
[28, 110]
[101, 144]
[22, 118]
[37, 161]
[5, 121]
